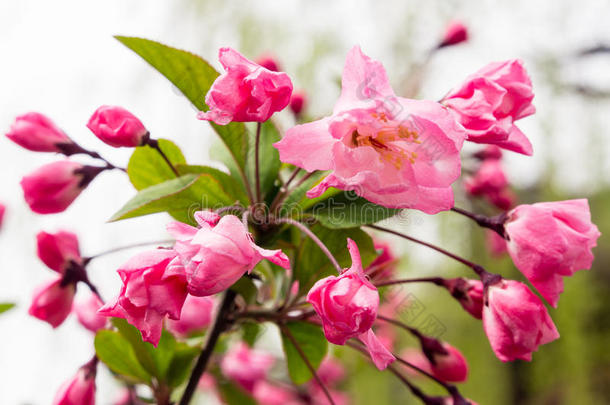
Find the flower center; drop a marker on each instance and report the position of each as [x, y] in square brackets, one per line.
[389, 138]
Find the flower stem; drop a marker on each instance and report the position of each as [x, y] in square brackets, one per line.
[257, 162]
[312, 370]
[475, 267]
[313, 237]
[281, 195]
[494, 223]
[434, 280]
[86, 260]
[220, 325]
[153, 143]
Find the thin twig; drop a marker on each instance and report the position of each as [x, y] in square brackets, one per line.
[153, 143]
[257, 163]
[434, 280]
[120, 248]
[220, 324]
[312, 370]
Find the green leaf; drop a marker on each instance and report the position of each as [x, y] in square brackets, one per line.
[5, 306]
[181, 364]
[232, 186]
[312, 264]
[233, 394]
[146, 166]
[118, 354]
[312, 342]
[186, 194]
[193, 76]
[347, 210]
[250, 332]
[142, 350]
[297, 202]
[269, 157]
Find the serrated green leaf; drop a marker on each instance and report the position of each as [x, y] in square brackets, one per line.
[193, 76]
[312, 342]
[6, 306]
[186, 194]
[146, 167]
[312, 264]
[118, 354]
[347, 210]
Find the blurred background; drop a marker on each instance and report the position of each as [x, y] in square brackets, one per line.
[59, 58]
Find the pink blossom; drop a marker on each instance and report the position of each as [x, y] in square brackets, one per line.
[196, 315]
[246, 366]
[79, 390]
[270, 394]
[269, 62]
[549, 241]
[469, 293]
[503, 200]
[455, 33]
[216, 255]
[52, 302]
[489, 102]
[117, 127]
[246, 91]
[347, 305]
[393, 151]
[318, 397]
[298, 101]
[36, 132]
[383, 266]
[516, 321]
[418, 359]
[86, 312]
[331, 371]
[58, 250]
[450, 366]
[52, 188]
[495, 243]
[154, 285]
[2, 212]
[489, 179]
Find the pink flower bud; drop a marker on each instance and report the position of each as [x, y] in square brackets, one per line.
[450, 366]
[36, 132]
[80, 389]
[58, 250]
[86, 312]
[246, 92]
[52, 302]
[489, 102]
[489, 152]
[549, 241]
[469, 293]
[455, 33]
[269, 394]
[117, 127]
[2, 212]
[52, 188]
[246, 366]
[216, 255]
[154, 285]
[298, 101]
[516, 321]
[417, 358]
[489, 179]
[269, 62]
[384, 265]
[196, 315]
[331, 371]
[347, 305]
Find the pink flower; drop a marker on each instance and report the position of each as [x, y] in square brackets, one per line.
[52, 302]
[154, 285]
[331, 371]
[52, 188]
[269, 62]
[384, 265]
[80, 389]
[269, 394]
[216, 255]
[489, 102]
[245, 92]
[2, 212]
[455, 33]
[417, 358]
[318, 397]
[246, 366]
[450, 366]
[298, 101]
[36, 132]
[347, 305]
[489, 179]
[117, 127]
[469, 293]
[86, 312]
[495, 243]
[58, 250]
[393, 151]
[196, 315]
[549, 241]
[516, 321]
